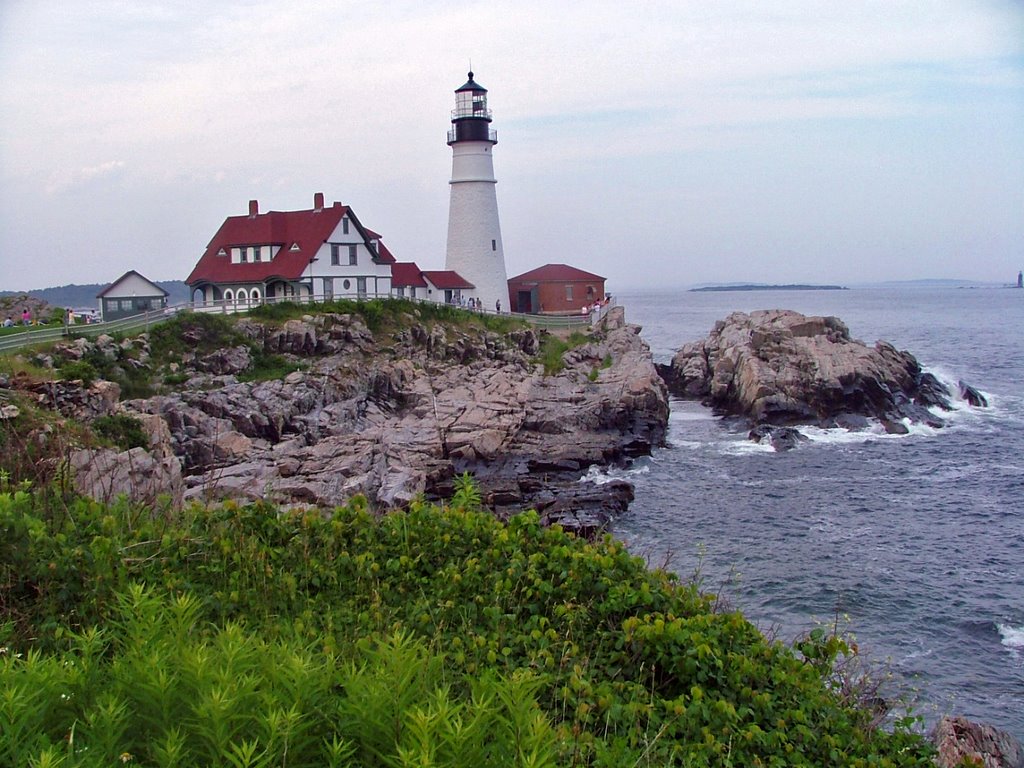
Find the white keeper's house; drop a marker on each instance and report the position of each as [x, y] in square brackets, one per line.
[323, 252]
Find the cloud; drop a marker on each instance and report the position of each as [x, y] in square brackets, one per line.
[61, 181]
[655, 105]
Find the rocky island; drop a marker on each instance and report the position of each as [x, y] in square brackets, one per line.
[392, 412]
[779, 368]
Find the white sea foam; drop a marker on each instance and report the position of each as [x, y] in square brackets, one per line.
[603, 475]
[692, 445]
[743, 447]
[1013, 637]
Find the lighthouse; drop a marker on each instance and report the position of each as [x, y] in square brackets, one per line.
[474, 234]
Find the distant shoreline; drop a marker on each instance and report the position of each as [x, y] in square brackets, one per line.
[752, 287]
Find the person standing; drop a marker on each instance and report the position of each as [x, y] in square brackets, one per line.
[26, 317]
[497, 307]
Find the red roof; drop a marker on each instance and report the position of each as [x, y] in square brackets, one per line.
[406, 274]
[298, 234]
[383, 254]
[447, 279]
[555, 273]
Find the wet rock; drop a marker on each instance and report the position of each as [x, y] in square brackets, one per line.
[972, 395]
[780, 438]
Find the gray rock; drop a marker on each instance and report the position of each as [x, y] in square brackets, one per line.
[105, 475]
[782, 368]
[957, 739]
[395, 424]
[972, 395]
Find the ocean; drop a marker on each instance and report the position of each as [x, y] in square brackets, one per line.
[913, 542]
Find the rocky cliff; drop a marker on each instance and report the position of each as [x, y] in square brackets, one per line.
[393, 416]
[778, 367]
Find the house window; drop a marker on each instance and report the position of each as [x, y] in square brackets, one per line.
[347, 284]
[335, 254]
[400, 291]
[568, 293]
[255, 253]
[352, 258]
[244, 255]
[328, 288]
[344, 225]
[412, 292]
[361, 287]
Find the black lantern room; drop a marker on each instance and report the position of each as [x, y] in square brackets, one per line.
[471, 119]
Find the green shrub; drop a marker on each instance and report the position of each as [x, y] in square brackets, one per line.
[124, 431]
[79, 369]
[631, 666]
[157, 687]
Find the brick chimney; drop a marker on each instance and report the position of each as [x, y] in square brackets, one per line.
[254, 208]
[318, 201]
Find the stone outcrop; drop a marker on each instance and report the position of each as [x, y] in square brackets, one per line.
[106, 474]
[778, 367]
[391, 422]
[960, 741]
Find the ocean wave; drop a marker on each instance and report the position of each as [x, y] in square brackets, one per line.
[603, 475]
[1012, 637]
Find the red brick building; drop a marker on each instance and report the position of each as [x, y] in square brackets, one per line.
[554, 289]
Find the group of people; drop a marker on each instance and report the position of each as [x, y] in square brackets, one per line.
[26, 319]
[587, 309]
[472, 303]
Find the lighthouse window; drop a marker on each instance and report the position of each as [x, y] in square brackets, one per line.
[494, 245]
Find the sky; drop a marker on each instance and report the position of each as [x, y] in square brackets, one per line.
[655, 143]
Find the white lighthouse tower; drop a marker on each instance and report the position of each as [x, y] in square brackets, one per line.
[474, 234]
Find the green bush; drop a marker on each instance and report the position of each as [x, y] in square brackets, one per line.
[79, 369]
[630, 666]
[157, 687]
[122, 430]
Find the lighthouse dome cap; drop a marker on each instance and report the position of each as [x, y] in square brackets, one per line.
[471, 85]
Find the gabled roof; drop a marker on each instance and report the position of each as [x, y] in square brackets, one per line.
[157, 290]
[299, 234]
[555, 273]
[383, 254]
[407, 274]
[447, 279]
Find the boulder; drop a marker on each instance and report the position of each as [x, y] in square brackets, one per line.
[960, 741]
[783, 368]
[972, 395]
[780, 438]
[106, 474]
